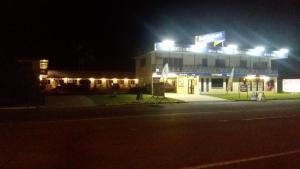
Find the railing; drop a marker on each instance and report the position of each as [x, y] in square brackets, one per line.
[217, 70]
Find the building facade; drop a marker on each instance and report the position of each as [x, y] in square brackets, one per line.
[92, 80]
[197, 69]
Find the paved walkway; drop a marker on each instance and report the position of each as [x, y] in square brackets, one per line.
[193, 97]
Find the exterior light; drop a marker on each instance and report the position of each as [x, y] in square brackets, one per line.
[284, 50]
[65, 80]
[136, 80]
[103, 79]
[115, 80]
[266, 78]
[231, 49]
[281, 53]
[257, 51]
[259, 48]
[91, 79]
[250, 77]
[78, 79]
[199, 47]
[167, 45]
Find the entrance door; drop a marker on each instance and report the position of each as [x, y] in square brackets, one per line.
[191, 86]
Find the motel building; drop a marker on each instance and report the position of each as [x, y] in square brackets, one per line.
[93, 80]
[203, 69]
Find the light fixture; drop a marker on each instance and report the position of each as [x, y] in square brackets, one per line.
[167, 45]
[199, 47]
[257, 51]
[231, 49]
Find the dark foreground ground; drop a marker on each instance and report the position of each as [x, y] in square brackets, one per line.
[223, 135]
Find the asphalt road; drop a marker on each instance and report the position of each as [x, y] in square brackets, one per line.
[213, 135]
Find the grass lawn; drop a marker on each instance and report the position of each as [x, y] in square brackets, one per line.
[269, 96]
[128, 99]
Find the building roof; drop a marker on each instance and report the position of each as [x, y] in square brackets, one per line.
[89, 74]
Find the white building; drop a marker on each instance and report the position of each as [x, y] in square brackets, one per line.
[198, 69]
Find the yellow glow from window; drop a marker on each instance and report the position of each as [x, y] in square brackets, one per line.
[115, 80]
[250, 77]
[65, 80]
[103, 79]
[78, 79]
[92, 79]
[266, 78]
[136, 80]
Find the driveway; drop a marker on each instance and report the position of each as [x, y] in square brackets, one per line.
[192, 97]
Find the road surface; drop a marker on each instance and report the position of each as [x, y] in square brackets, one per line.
[217, 135]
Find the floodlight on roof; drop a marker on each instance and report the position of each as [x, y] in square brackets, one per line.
[281, 53]
[231, 49]
[199, 47]
[257, 51]
[167, 45]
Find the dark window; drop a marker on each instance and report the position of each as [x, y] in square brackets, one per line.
[260, 65]
[207, 85]
[143, 62]
[217, 83]
[132, 82]
[220, 63]
[243, 64]
[202, 85]
[204, 62]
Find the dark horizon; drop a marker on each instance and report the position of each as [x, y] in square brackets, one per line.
[110, 35]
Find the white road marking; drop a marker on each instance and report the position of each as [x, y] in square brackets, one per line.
[224, 163]
[271, 117]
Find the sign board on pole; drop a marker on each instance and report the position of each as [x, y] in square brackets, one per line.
[159, 89]
[244, 88]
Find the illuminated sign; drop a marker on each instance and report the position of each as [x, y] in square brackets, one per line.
[291, 85]
[211, 37]
[43, 66]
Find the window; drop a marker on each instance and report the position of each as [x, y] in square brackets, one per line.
[217, 83]
[98, 81]
[243, 64]
[204, 62]
[121, 81]
[143, 62]
[220, 63]
[132, 82]
[175, 64]
[260, 65]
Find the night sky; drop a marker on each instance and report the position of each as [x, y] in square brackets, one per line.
[107, 35]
